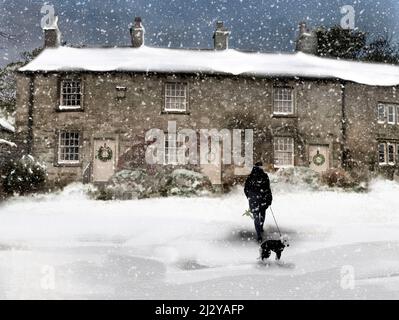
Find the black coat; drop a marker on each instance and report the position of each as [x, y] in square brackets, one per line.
[257, 187]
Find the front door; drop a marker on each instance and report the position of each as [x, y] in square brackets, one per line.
[213, 169]
[319, 158]
[104, 161]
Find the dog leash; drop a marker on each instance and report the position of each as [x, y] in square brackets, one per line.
[275, 221]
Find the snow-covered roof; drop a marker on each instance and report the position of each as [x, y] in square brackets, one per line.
[4, 124]
[147, 59]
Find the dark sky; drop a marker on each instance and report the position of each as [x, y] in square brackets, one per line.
[265, 25]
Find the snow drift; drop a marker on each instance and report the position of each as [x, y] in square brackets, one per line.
[199, 248]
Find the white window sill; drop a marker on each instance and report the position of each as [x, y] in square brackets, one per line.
[386, 164]
[63, 108]
[68, 162]
[283, 114]
[175, 110]
[284, 166]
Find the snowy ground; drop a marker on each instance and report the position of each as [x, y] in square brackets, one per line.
[66, 246]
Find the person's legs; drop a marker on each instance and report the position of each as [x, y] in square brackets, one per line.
[262, 213]
[254, 206]
[258, 227]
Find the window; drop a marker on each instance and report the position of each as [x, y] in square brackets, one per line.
[176, 97]
[391, 153]
[170, 155]
[391, 114]
[283, 152]
[381, 153]
[283, 101]
[71, 94]
[381, 113]
[68, 147]
[388, 113]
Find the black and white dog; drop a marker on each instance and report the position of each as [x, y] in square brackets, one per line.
[277, 246]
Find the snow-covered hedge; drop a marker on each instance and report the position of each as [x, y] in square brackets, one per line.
[23, 176]
[300, 178]
[139, 184]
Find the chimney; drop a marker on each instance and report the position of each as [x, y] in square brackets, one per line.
[221, 36]
[52, 35]
[307, 40]
[137, 32]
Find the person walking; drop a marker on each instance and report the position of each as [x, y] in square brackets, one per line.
[259, 195]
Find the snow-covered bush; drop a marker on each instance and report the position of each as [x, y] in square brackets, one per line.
[337, 178]
[184, 182]
[139, 184]
[23, 176]
[300, 178]
[296, 176]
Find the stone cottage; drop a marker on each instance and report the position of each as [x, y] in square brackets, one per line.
[81, 110]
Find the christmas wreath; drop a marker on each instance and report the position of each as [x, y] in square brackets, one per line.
[319, 159]
[104, 153]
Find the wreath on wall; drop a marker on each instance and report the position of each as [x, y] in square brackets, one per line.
[319, 159]
[104, 153]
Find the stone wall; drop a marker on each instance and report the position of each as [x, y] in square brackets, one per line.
[364, 132]
[213, 102]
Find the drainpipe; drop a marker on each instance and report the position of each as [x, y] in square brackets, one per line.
[29, 139]
[344, 123]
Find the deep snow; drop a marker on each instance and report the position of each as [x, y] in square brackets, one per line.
[67, 246]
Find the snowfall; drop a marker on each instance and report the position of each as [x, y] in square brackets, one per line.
[343, 245]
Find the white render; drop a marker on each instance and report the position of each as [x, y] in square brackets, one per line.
[233, 62]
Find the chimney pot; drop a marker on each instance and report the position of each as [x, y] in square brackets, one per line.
[307, 40]
[302, 28]
[137, 22]
[221, 36]
[219, 25]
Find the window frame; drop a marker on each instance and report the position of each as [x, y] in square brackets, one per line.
[68, 163]
[292, 164]
[166, 150]
[386, 108]
[393, 107]
[390, 144]
[61, 106]
[383, 107]
[274, 101]
[165, 97]
[385, 153]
